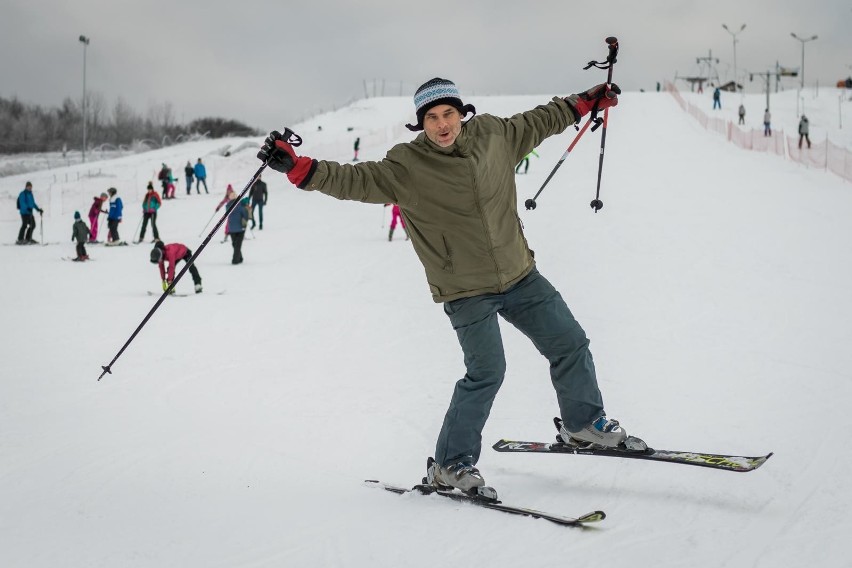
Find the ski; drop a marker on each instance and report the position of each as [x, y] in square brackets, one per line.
[183, 294]
[173, 294]
[715, 461]
[488, 503]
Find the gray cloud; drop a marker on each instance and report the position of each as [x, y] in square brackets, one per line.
[270, 63]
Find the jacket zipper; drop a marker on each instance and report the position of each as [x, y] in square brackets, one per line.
[485, 229]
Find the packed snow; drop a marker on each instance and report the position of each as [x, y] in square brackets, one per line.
[237, 429]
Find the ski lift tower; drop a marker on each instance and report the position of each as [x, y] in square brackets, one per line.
[707, 67]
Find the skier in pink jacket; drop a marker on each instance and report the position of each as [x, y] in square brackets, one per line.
[230, 195]
[172, 253]
[94, 213]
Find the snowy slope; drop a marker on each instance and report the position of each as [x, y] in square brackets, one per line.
[237, 429]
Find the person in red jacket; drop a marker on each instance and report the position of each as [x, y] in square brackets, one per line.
[172, 253]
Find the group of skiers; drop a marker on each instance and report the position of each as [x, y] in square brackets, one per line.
[165, 255]
[804, 123]
[198, 172]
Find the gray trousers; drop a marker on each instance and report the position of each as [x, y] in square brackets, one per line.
[535, 308]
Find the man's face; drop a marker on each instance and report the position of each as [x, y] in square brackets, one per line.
[442, 124]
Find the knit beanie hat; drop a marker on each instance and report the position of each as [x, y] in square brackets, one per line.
[436, 92]
[156, 255]
[150, 185]
[157, 252]
[76, 214]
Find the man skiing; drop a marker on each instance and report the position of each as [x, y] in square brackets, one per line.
[455, 187]
[173, 253]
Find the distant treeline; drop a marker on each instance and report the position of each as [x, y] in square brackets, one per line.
[33, 128]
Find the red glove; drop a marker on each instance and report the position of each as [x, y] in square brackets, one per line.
[280, 156]
[596, 98]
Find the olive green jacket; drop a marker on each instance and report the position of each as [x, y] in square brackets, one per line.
[459, 203]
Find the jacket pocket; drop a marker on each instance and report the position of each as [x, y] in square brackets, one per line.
[448, 256]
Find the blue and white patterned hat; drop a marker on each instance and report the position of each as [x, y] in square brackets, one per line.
[436, 92]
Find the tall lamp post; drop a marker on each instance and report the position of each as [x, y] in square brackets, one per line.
[85, 41]
[734, 34]
[804, 41]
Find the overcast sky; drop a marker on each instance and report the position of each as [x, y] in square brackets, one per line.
[270, 63]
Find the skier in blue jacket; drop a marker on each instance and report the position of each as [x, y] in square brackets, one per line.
[116, 209]
[200, 176]
[26, 206]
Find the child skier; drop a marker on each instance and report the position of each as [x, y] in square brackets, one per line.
[80, 232]
[230, 195]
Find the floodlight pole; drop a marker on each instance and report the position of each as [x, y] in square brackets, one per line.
[804, 41]
[734, 34]
[85, 41]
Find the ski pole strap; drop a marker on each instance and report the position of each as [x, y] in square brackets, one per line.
[612, 42]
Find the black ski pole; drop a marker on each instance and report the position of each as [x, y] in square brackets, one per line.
[136, 230]
[206, 224]
[612, 42]
[294, 140]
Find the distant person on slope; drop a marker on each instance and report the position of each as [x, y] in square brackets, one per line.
[26, 206]
[94, 215]
[741, 113]
[396, 216]
[525, 162]
[163, 176]
[455, 186]
[150, 204]
[173, 253]
[804, 129]
[717, 99]
[356, 147]
[237, 223]
[230, 195]
[80, 233]
[767, 119]
[116, 211]
[259, 196]
[189, 174]
[200, 176]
